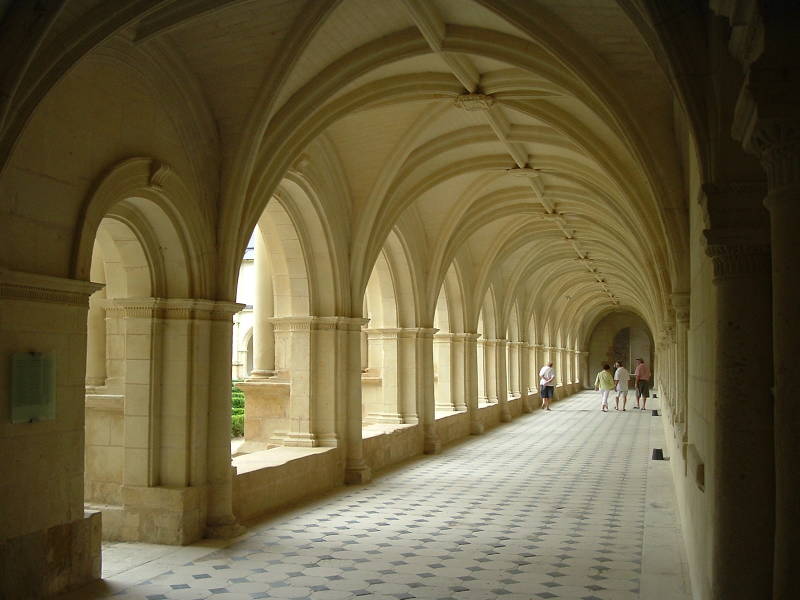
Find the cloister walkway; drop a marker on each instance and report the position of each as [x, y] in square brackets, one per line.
[565, 504]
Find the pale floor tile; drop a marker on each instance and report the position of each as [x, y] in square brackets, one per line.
[559, 505]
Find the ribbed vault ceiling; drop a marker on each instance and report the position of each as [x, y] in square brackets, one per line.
[527, 143]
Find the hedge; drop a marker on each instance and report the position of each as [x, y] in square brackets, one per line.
[237, 411]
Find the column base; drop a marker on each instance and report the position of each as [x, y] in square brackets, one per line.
[300, 440]
[476, 427]
[380, 417]
[257, 375]
[224, 529]
[357, 472]
[431, 443]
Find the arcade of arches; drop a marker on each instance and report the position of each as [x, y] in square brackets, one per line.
[443, 195]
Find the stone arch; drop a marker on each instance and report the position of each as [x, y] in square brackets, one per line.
[391, 301]
[151, 198]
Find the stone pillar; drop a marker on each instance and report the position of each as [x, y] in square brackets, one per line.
[431, 443]
[356, 468]
[681, 305]
[142, 405]
[743, 477]
[583, 369]
[476, 426]
[501, 378]
[96, 340]
[443, 351]
[480, 371]
[525, 376]
[263, 311]
[514, 369]
[220, 521]
[490, 369]
[777, 142]
[458, 375]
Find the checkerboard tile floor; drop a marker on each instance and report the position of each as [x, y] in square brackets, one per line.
[550, 506]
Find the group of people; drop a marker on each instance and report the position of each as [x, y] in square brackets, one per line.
[605, 383]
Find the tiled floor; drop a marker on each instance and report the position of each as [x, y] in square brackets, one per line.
[551, 506]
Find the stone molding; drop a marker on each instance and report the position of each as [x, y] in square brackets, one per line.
[311, 323]
[33, 287]
[179, 309]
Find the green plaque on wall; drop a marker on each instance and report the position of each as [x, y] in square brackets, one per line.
[33, 387]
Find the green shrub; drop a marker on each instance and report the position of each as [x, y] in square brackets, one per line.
[237, 411]
[237, 425]
[237, 397]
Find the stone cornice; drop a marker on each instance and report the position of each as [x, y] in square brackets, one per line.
[33, 287]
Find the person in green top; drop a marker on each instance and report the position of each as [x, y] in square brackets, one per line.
[605, 383]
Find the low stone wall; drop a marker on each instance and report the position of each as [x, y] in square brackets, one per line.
[453, 427]
[262, 489]
[399, 443]
[156, 515]
[51, 561]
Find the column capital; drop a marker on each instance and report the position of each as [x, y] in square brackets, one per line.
[515, 343]
[777, 143]
[681, 302]
[444, 337]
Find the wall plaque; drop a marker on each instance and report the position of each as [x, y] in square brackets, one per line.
[33, 387]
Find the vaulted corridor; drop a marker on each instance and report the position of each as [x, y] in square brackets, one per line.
[561, 505]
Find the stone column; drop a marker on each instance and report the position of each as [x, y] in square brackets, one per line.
[220, 521]
[777, 142]
[583, 369]
[681, 305]
[142, 407]
[96, 340]
[743, 476]
[480, 371]
[525, 376]
[501, 379]
[490, 369]
[386, 356]
[349, 364]
[476, 426]
[431, 443]
[458, 376]
[513, 369]
[443, 351]
[263, 311]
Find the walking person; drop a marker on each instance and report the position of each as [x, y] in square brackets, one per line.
[642, 375]
[621, 378]
[604, 382]
[547, 384]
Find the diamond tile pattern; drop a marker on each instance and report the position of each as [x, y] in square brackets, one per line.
[549, 506]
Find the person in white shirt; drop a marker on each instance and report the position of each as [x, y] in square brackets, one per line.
[621, 378]
[547, 384]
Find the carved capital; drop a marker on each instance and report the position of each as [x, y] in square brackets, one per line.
[474, 101]
[681, 304]
[733, 261]
[778, 146]
[735, 205]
